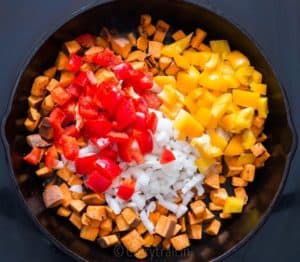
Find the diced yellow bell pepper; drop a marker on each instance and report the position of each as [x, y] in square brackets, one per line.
[262, 107]
[213, 62]
[190, 101]
[216, 139]
[244, 119]
[233, 205]
[231, 81]
[170, 111]
[233, 108]
[227, 122]
[256, 77]
[258, 88]
[246, 158]
[248, 138]
[187, 125]
[221, 104]
[177, 47]
[197, 58]
[170, 96]
[182, 62]
[244, 74]
[234, 146]
[245, 98]
[165, 80]
[213, 122]
[225, 68]
[206, 100]
[213, 80]
[203, 115]
[204, 163]
[220, 46]
[237, 59]
[187, 81]
[205, 148]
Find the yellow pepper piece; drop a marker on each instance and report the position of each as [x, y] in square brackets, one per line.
[187, 125]
[187, 81]
[213, 62]
[231, 81]
[244, 74]
[213, 80]
[233, 205]
[165, 80]
[262, 107]
[220, 46]
[177, 47]
[245, 98]
[204, 163]
[203, 115]
[197, 58]
[237, 59]
[246, 158]
[216, 139]
[258, 88]
[244, 119]
[227, 122]
[256, 76]
[170, 96]
[170, 111]
[182, 62]
[207, 99]
[248, 138]
[220, 105]
[234, 146]
[190, 101]
[205, 148]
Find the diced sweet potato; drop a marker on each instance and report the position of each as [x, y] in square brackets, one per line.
[67, 195]
[72, 47]
[94, 199]
[172, 69]
[162, 26]
[212, 180]
[178, 35]
[64, 173]
[45, 129]
[213, 228]
[164, 62]
[75, 219]
[85, 220]
[47, 105]
[39, 86]
[130, 216]
[159, 36]
[162, 210]
[260, 161]
[225, 215]
[238, 182]
[106, 225]
[77, 195]
[180, 242]
[154, 216]
[145, 20]
[52, 196]
[234, 170]
[182, 224]
[132, 241]
[108, 241]
[110, 213]
[141, 254]
[148, 240]
[101, 42]
[142, 43]
[77, 205]
[192, 219]
[198, 208]
[136, 55]
[157, 240]
[141, 229]
[30, 125]
[121, 223]
[44, 172]
[150, 30]
[165, 226]
[121, 46]
[66, 78]
[89, 233]
[154, 48]
[248, 173]
[50, 72]
[258, 149]
[52, 84]
[34, 101]
[195, 231]
[213, 207]
[218, 196]
[204, 48]
[166, 244]
[63, 212]
[74, 180]
[222, 179]
[258, 121]
[96, 212]
[34, 114]
[263, 137]
[176, 229]
[61, 61]
[132, 39]
[208, 215]
[240, 192]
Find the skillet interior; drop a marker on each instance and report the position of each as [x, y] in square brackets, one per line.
[124, 16]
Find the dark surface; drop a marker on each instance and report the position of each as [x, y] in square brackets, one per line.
[275, 241]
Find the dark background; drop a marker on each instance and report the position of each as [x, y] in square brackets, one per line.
[275, 24]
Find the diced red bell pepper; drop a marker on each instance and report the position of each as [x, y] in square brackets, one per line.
[70, 147]
[108, 152]
[86, 40]
[71, 131]
[108, 168]
[35, 156]
[70, 111]
[56, 117]
[152, 99]
[97, 182]
[101, 143]
[75, 62]
[126, 190]
[122, 71]
[167, 156]
[106, 58]
[130, 151]
[152, 122]
[97, 128]
[144, 139]
[119, 137]
[141, 105]
[51, 157]
[140, 81]
[125, 114]
[86, 109]
[86, 164]
[81, 79]
[140, 121]
[74, 90]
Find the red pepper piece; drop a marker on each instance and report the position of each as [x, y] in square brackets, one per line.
[81, 79]
[97, 182]
[71, 131]
[35, 156]
[101, 143]
[152, 122]
[51, 157]
[56, 117]
[167, 156]
[106, 58]
[140, 81]
[125, 114]
[108, 167]
[130, 151]
[108, 153]
[123, 71]
[74, 90]
[86, 40]
[152, 99]
[86, 109]
[75, 62]
[140, 121]
[97, 128]
[70, 147]
[144, 139]
[141, 105]
[119, 137]
[126, 190]
[86, 164]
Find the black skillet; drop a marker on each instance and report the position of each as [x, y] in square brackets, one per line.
[124, 16]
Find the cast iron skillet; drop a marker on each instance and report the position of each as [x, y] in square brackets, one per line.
[124, 15]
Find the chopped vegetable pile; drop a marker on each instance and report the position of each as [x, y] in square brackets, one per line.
[142, 143]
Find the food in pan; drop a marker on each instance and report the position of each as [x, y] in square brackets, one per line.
[144, 143]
